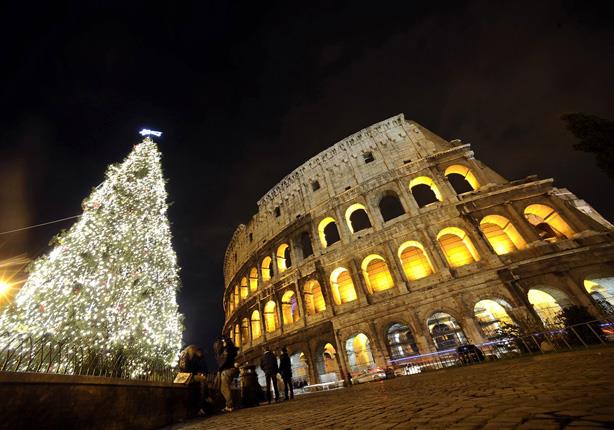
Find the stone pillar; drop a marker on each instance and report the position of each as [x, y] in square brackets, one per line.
[362, 291]
[342, 359]
[524, 227]
[472, 331]
[394, 266]
[311, 365]
[568, 215]
[344, 230]
[378, 347]
[407, 199]
[323, 279]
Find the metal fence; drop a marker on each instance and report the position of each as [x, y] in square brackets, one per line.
[24, 353]
[593, 333]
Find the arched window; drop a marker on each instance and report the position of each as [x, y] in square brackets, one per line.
[283, 257]
[390, 206]
[414, 260]
[300, 368]
[271, 319]
[256, 327]
[326, 364]
[376, 273]
[549, 224]
[245, 331]
[457, 247]
[231, 302]
[253, 280]
[400, 341]
[501, 234]
[237, 296]
[305, 241]
[329, 234]
[546, 306]
[342, 286]
[244, 288]
[445, 331]
[424, 191]
[314, 299]
[289, 308]
[491, 317]
[266, 268]
[461, 178]
[602, 291]
[237, 336]
[357, 218]
[359, 353]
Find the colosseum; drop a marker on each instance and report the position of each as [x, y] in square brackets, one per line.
[394, 243]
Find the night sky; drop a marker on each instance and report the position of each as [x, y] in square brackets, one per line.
[245, 93]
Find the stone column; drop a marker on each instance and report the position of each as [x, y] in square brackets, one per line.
[311, 365]
[380, 352]
[342, 358]
[524, 227]
[394, 266]
[362, 291]
[472, 331]
[568, 215]
[407, 199]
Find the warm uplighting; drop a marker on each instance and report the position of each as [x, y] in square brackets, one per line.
[376, 273]
[457, 247]
[328, 232]
[342, 286]
[314, 299]
[548, 222]
[501, 234]
[465, 173]
[416, 264]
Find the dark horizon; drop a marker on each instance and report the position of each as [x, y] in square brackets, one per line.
[246, 93]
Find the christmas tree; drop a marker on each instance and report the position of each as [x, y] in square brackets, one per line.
[109, 284]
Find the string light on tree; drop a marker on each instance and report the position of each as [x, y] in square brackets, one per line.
[110, 281]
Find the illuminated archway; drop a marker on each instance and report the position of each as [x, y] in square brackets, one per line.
[414, 260]
[256, 327]
[283, 257]
[314, 299]
[237, 296]
[300, 368]
[244, 288]
[237, 336]
[357, 218]
[289, 308]
[457, 247]
[424, 190]
[491, 317]
[546, 306]
[445, 331]
[245, 331]
[501, 234]
[266, 267]
[462, 178]
[359, 353]
[548, 223]
[231, 302]
[342, 286]
[376, 273]
[400, 341]
[328, 232]
[253, 280]
[326, 364]
[271, 320]
[602, 291]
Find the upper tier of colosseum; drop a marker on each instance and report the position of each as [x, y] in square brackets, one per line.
[363, 157]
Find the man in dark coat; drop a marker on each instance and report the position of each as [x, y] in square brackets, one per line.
[192, 360]
[285, 369]
[226, 353]
[268, 364]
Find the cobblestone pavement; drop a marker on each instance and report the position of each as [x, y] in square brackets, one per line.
[568, 390]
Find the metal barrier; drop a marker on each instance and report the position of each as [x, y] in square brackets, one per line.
[558, 339]
[23, 353]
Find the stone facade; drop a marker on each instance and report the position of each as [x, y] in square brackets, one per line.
[381, 246]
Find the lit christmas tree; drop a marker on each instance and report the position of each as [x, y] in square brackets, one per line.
[109, 284]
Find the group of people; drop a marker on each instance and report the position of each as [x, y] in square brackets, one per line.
[192, 360]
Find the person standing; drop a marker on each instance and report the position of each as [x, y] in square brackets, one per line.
[226, 353]
[268, 364]
[285, 369]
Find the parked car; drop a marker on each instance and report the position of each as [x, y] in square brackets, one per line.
[369, 375]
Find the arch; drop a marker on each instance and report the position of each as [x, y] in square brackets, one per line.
[314, 299]
[245, 331]
[501, 234]
[549, 224]
[358, 349]
[328, 232]
[390, 206]
[445, 331]
[342, 286]
[602, 291]
[255, 324]
[461, 178]
[266, 268]
[376, 273]
[237, 336]
[271, 320]
[305, 241]
[400, 341]
[415, 262]
[237, 296]
[457, 247]
[300, 368]
[253, 280]
[283, 257]
[357, 218]
[546, 306]
[424, 190]
[491, 316]
[326, 363]
[244, 288]
[289, 308]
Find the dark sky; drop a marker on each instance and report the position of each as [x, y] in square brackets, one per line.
[245, 92]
